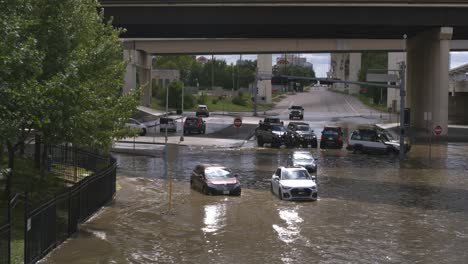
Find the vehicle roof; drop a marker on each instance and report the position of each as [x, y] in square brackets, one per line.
[202, 106]
[193, 117]
[292, 168]
[332, 127]
[299, 123]
[272, 117]
[205, 166]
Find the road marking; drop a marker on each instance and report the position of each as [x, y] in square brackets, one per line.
[351, 106]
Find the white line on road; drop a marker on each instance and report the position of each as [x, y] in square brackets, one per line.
[351, 106]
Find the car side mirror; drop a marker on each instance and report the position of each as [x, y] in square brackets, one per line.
[314, 178]
[236, 175]
[276, 177]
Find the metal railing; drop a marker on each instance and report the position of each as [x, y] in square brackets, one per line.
[51, 223]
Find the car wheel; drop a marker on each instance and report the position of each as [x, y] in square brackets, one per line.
[143, 132]
[280, 194]
[260, 141]
[205, 190]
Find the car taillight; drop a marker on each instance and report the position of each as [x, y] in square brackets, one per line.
[183, 123]
[321, 138]
[339, 139]
[198, 124]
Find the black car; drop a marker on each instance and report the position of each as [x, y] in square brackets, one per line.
[304, 135]
[270, 120]
[332, 137]
[194, 124]
[215, 179]
[274, 134]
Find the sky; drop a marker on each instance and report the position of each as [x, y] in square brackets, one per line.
[321, 61]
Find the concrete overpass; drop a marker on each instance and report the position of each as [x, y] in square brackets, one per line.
[433, 27]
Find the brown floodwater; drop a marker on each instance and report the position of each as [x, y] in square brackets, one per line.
[371, 209]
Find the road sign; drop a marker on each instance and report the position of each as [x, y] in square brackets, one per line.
[238, 122]
[438, 130]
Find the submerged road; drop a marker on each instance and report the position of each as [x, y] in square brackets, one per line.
[371, 209]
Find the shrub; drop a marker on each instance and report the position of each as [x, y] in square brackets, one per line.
[214, 101]
[238, 100]
[202, 99]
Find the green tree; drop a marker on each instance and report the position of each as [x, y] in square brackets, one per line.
[20, 64]
[61, 74]
[175, 96]
[186, 64]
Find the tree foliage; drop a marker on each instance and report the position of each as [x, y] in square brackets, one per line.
[175, 96]
[61, 73]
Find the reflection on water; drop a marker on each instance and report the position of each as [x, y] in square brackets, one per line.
[292, 231]
[214, 217]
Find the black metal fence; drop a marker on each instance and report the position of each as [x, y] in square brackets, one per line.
[48, 225]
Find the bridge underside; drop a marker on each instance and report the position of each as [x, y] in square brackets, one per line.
[227, 21]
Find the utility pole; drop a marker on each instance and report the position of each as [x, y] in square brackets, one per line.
[255, 90]
[182, 113]
[402, 103]
[212, 71]
[167, 111]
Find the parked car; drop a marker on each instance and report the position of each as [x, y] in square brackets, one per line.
[271, 120]
[304, 135]
[215, 179]
[294, 183]
[194, 124]
[374, 141]
[133, 123]
[202, 110]
[167, 123]
[332, 137]
[274, 134]
[304, 159]
[296, 111]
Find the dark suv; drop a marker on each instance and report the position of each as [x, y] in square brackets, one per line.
[194, 124]
[274, 134]
[332, 137]
[304, 135]
[270, 120]
[215, 179]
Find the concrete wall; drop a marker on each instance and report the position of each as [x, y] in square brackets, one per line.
[346, 66]
[138, 73]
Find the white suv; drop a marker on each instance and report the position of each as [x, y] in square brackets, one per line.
[374, 141]
[293, 183]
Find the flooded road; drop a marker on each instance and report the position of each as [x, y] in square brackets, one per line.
[370, 210]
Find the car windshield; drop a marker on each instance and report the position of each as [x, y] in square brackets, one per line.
[273, 120]
[296, 107]
[191, 121]
[303, 128]
[217, 173]
[296, 175]
[278, 128]
[302, 157]
[330, 132]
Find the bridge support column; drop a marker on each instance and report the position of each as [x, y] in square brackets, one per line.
[264, 65]
[138, 72]
[428, 56]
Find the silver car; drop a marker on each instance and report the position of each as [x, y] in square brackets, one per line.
[133, 123]
[294, 183]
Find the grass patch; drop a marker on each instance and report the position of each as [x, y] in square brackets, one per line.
[217, 104]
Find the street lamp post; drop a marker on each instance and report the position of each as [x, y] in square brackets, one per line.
[167, 111]
[182, 113]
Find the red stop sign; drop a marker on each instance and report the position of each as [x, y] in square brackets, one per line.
[237, 122]
[438, 130]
